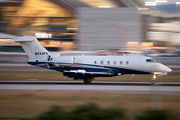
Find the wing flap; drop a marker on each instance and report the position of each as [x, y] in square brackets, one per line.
[84, 72]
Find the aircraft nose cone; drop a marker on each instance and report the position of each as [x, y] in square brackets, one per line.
[165, 69]
[168, 69]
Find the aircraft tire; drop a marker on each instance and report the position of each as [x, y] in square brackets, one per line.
[87, 80]
[152, 81]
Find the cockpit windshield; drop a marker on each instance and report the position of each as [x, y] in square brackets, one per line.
[151, 60]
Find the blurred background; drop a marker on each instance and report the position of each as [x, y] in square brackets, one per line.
[89, 27]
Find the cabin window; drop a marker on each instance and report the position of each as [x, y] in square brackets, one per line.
[108, 62]
[36, 60]
[95, 62]
[114, 62]
[127, 62]
[120, 62]
[101, 62]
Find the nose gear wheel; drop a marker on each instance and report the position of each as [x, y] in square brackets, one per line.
[152, 81]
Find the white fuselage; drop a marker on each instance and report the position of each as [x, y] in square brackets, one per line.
[122, 64]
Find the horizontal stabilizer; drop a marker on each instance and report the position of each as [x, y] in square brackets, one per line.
[24, 39]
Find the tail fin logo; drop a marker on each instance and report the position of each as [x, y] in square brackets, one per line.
[41, 53]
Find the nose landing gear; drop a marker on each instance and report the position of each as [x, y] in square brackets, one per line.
[153, 79]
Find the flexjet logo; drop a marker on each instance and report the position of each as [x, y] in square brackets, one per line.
[41, 53]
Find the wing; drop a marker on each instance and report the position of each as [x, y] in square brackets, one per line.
[82, 74]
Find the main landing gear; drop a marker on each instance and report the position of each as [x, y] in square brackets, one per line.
[153, 79]
[87, 80]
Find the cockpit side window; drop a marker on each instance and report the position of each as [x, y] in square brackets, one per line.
[151, 60]
[148, 60]
[155, 61]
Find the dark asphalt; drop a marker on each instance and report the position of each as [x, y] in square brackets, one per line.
[93, 83]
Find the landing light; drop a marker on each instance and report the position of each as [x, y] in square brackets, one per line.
[154, 76]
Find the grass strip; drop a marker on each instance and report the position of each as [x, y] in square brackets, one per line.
[30, 104]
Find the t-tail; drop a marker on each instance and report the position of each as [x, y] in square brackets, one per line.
[32, 47]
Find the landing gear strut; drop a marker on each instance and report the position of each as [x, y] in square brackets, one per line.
[153, 79]
[87, 80]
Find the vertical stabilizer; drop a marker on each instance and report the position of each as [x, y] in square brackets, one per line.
[32, 47]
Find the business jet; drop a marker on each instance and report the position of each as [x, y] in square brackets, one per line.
[87, 68]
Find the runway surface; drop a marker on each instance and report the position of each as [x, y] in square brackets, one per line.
[76, 86]
[20, 67]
